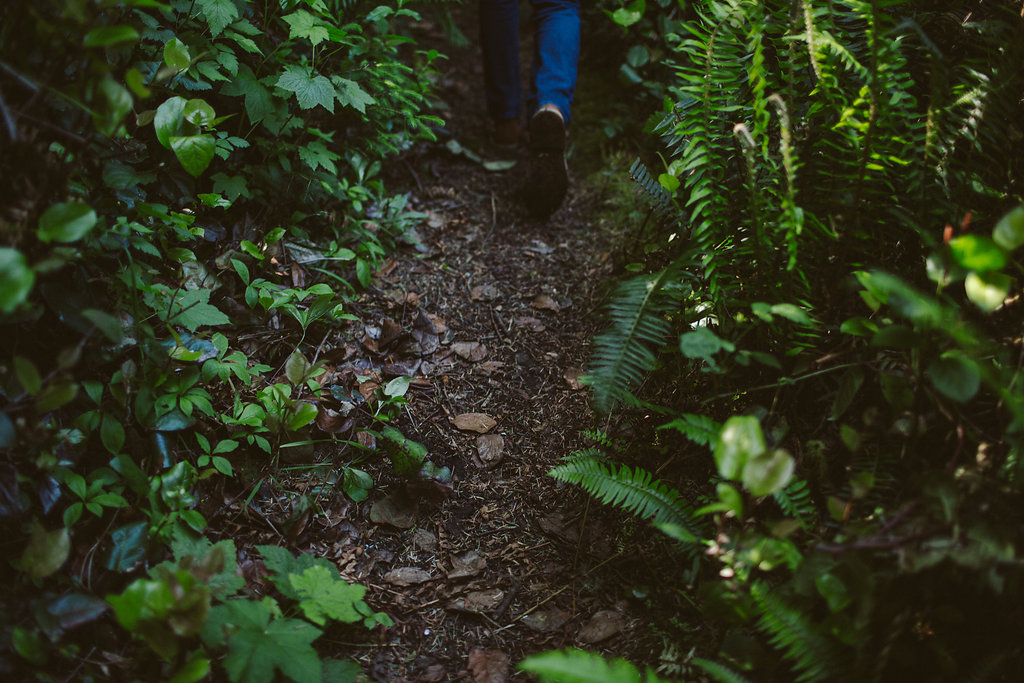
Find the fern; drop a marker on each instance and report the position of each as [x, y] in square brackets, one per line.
[577, 666]
[699, 429]
[795, 501]
[720, 672]
[789, 629]
[654, 192]
[633, 490]
[624, 353]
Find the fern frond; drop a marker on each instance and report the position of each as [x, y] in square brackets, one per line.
[654, 192]
[633, 490]
[795, 501]
[700, 429]
[720, 672]
[624, 352]
[790, 630]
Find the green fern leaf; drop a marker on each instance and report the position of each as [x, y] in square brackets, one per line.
[791, 631]
[720, 672]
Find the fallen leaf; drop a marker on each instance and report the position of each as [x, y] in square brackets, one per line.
[545, 619]
[474, 422]
[367, 440]
[407, 576]
[490, 451]
[556, 525]
[434, 220]
[425, 540]
[469, 563]
[394, 512]
[440, 325]
[572, 376]
[389, 332]
[489, 666]
[434, 673]
[479, 601]
[545, 303]
[538, 247]
[412, 298]
[484, 293]
[471, 351]
[330, 420]
[602, 625]
[533, 324]
[490, 367]
[499, 166]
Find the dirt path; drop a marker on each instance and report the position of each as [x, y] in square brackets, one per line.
[490, 315]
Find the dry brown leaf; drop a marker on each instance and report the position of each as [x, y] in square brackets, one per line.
[484, 293]
[572, 376]
[389, 332]
[394, 512]
[489, 666]
[367, 440]
[471, 351]
[425, 540]
[330, 420]
[533, 324]
[474, 422]
[469, 563]
[479, 601]
[556, 525]
[545, 303]
[545, 619]
[489, 367]
[407, 576]
[601, 626]
[440, 326]
[490, 451]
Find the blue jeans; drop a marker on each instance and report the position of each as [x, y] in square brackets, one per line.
[556, 53]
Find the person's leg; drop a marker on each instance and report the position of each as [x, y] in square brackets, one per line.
[556, 54]
[499, 38]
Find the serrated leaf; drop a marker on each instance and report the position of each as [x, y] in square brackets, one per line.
[323, 594]
[16, 279]
[350, 94]
[255, 653]
[218, 14]
[281, 563]
[304, 25]
[310, 89]
[66, 222]
[195, 152]
[192, 310]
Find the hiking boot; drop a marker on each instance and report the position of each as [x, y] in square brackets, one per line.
[548, 178]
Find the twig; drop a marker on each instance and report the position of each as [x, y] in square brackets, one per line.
[12, 128]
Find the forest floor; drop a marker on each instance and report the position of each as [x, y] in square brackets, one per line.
[491, 316]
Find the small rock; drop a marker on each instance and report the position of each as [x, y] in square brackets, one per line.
[602, 625]
[407, 576]
[490, 451]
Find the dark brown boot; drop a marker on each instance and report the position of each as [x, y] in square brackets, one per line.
[548, 180]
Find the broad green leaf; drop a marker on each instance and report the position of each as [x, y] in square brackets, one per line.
[27, 374]
[356, 484]
[340, 671]
[637, 56]
[112, 434]
[832, 588]
[176, 55]
[304, 414]
[397, 387]
[792, 313]
[136, 82]
[113, 101]
[1009, 231]
[169, 120]
[105, 36]
[304, 25]
[350, 94]
[130, 543]
[259, 102]
[740, 440]
[198, 113]
[323, 594]
[310, 89]
[218, 14]
[258, 647]
[975, 252]
[46, 552]
[703, 343]
[296, 367]
[407, 456]
[66, 222]
[190, 310]
[668, 181]
[988, 291]
[849, 385]
[861, 327]
[630, 14]
[768, 472]
[956, 376]
[196, 669]
[55, 395]
[195, 152]
[16, 279]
